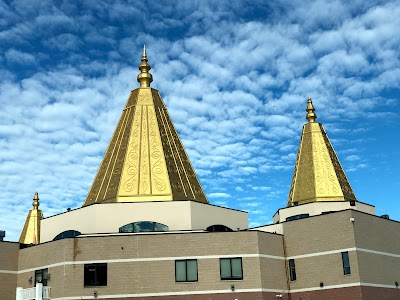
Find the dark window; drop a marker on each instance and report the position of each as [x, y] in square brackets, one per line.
[231, 268]
[218, 228]
[95, 275]
[67, 234]
[143, 226]
[292, 270]
[42, 276]
[346, 263]
[328, 212]
[297, 217]
[186, 270]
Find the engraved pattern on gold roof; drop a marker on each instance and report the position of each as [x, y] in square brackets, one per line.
[31, 232]
[145, 160]
[318, 175]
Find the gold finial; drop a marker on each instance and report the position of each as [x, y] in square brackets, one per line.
[144, 78]
[36, 203]
[311, 116]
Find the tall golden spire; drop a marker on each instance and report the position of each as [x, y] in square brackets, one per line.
[318, 175]
[144, 78]
[145, 160]
[31, 232]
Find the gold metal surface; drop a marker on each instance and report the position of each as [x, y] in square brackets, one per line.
[31, 232]
[318, 175]
[145, 160]
[144, 78]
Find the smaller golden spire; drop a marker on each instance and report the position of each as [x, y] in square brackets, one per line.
[311, 116]
[144, 78]
[31, 232]
[36, 203]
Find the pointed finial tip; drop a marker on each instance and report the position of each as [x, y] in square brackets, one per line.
[311, 116]
[144, 78]
[36, 203]
[144, 55]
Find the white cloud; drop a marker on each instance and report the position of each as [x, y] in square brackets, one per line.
[19, 57]
[219, 195]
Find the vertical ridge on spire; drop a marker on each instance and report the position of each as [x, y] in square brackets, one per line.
[318, 175]
[144, 77]
[31, 232]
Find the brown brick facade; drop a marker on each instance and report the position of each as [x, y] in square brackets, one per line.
[8, 263]
[222, 296]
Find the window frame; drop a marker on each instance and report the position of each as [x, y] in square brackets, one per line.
[44, 273]
[230, 264]
[186, 269]
[346, 263]
[97, 266]
[292, 270]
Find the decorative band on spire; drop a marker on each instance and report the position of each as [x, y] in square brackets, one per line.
[144, 78]
[311, 116]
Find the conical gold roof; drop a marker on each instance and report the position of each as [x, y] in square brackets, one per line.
[145, 160]
[31, 232]
[318, 175]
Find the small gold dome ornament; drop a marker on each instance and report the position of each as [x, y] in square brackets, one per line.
[144, 78]
[311, 116]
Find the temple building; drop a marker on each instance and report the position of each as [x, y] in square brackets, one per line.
[147, 231]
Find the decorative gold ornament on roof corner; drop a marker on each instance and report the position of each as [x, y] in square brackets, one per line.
[318, 175]
[31, 232]
[145, 159]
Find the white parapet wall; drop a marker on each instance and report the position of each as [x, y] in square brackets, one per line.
[318, 208]
[109, 217]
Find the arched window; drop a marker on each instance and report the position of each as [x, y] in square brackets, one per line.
[67, 234]
[218, 228]
[143, 226]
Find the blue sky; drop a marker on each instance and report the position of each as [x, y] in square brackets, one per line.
[235, 76]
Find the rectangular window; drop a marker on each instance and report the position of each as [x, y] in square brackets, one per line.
[186, 270]
[346, 263]
[95, 274]
[42, 276]
[292, 270]
[231, 268]
[297, 217]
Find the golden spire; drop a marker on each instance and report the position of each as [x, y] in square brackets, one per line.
[311, 116]
[145, 160]
[144, 77]
[31, 232]
[318, 175]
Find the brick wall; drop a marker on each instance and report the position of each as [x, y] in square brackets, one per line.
[8, 262]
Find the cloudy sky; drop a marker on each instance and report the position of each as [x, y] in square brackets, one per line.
[235, 76]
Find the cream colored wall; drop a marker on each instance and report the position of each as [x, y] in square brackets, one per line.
[109, 217]
[317, 208]
[206, 215]
[273, 228]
